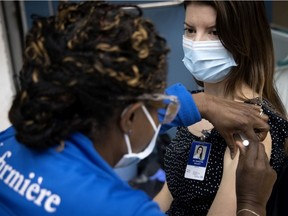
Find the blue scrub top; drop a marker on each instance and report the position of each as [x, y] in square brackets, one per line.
[74, 181]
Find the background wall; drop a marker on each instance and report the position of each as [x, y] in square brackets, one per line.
[6, 83]
[278, 19]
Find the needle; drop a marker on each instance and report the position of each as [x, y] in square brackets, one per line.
[245, 142]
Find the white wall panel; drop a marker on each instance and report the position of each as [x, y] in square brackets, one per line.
[6, 83]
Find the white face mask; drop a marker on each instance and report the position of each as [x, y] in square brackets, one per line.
[132, 158]
[207, 61]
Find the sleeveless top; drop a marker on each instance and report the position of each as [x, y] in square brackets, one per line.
[194, 197]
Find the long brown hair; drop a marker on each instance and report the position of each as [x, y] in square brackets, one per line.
[244, 30]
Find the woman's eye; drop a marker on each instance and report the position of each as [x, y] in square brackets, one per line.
[214, 32]
[189, 30]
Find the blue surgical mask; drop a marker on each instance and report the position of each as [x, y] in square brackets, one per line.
[132, 158]
[207, 61]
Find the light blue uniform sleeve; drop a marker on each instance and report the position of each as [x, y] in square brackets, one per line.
[188, 113]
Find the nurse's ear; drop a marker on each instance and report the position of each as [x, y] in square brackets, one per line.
[128, 117]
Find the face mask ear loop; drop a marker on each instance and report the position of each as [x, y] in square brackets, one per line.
[128, 144]
[126, 137]
[149, 117]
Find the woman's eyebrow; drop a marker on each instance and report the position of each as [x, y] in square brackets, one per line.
[191, 26]
[210, 27]
[188, 25]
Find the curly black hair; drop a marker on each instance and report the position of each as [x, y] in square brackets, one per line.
[76, 66]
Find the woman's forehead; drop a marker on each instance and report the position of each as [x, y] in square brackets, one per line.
[200, 14]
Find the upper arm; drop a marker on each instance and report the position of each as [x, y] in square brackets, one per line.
[164, 198]
[225, 202]
[268, 145]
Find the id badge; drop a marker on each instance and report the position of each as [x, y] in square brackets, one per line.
[198, 160]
